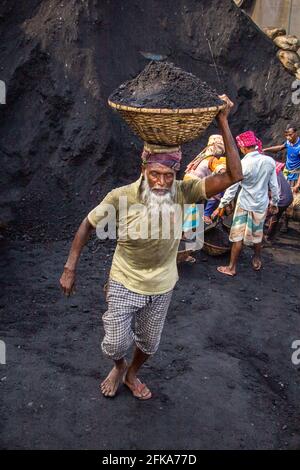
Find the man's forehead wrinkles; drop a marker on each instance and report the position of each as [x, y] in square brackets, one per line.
[159, 168]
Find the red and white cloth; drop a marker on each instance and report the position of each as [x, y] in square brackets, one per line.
[249, 139]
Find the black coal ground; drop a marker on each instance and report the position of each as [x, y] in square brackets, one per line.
[222, 379]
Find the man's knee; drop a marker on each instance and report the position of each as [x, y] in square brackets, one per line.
[114, 348]
[148, 345]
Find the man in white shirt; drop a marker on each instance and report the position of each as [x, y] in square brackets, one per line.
[253, 201]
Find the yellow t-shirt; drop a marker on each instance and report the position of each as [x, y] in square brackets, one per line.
[143, 264]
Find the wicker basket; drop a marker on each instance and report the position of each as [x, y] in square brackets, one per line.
[214, 250]
[167, 126]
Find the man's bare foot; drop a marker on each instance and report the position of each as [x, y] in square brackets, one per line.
[226, 270]
[138, 389]
[256, 263]
[182, 256]
[110, 385]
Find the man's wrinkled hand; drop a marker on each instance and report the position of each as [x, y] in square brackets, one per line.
[67, 281]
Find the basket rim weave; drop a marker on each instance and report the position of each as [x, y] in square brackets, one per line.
[165, 110]
[210, 245]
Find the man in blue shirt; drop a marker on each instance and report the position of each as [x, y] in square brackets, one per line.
[292, 163]
[292, 147]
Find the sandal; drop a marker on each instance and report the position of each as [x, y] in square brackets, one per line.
[225, 270]
[138, 389]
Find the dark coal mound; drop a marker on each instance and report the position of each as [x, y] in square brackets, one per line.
[162, 85]
[61, 147]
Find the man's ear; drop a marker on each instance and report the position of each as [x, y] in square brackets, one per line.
[143, 169]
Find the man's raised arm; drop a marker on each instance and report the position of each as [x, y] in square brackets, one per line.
[275, 148]
[217, 183]
[67, 280]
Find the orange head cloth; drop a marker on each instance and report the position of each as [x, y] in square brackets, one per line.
[214, 162]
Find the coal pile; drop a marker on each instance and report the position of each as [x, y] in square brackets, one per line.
[61, 146]
[162, 85]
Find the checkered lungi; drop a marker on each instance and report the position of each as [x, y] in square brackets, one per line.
[247, 226]
[147, 312]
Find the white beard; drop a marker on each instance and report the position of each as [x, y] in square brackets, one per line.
[158, 202]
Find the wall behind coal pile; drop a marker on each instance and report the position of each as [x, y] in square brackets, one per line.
[275, 13]
[61, 147]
